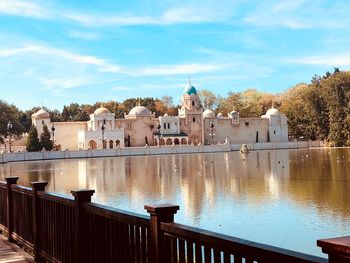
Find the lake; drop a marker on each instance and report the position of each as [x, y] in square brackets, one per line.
[285, 198]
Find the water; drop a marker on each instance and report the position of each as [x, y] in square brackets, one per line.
[285, 198]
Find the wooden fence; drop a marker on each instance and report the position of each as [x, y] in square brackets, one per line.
[72, 229]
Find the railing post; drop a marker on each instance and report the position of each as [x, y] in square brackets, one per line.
[10, 181]
[37, 186]
[81, 234]
[159, 213]
[338, 249]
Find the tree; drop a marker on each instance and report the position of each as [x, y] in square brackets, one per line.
[9, 113]
[33, 144]
[45, 139]
[168, 101]
[208, 98]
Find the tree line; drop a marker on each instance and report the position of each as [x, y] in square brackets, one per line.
[316, 110]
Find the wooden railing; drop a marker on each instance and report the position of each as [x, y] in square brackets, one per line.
[72, 229]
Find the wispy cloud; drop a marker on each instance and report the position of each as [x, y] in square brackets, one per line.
[84, 35]
[102, 64]
[299, 14]
[199, 13]
[191, 68]
[323, 60]
[23, 8]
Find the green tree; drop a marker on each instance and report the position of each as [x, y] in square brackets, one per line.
[45, 139]
[33, 144]
[9, 113]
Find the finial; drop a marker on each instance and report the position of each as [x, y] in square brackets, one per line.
[189, 80]
[139, 102]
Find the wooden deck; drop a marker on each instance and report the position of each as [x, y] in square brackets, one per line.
[10, 252]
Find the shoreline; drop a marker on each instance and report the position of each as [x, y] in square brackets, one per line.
[149, 150]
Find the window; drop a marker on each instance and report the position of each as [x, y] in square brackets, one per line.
[168, 125]
[42, 122]
[193, 103]
[246, 123]
[274, 132]
[194, 119]
[164, 125]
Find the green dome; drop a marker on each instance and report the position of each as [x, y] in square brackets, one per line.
[190, 90]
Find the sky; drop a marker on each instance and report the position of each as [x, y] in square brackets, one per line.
[53, 53]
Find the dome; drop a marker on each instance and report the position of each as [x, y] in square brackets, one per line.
[233, 112]
[272, 111]
[166, 115]
[139, 110]
[101, 110]
[208, 114]
[41, 114]
[220, 115]
[190, 90]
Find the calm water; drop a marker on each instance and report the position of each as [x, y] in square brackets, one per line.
[287, 198]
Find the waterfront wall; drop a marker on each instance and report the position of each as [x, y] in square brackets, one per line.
[150, 150]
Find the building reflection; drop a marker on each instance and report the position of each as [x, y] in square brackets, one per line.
[202, 182]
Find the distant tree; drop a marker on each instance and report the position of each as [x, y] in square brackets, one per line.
[45, 139]
[168, 101]
[10, 113]
[33, 144]
[208, 98]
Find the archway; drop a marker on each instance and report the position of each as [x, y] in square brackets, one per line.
[176, 141]
[104, 144]
[183, 141]
[169, 141]
[117, 143]
[92, 145]
[110, 144]
[161, 142]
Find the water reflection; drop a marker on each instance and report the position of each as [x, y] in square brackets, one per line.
[286, 198]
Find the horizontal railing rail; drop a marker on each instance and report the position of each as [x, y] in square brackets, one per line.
[58, 228]
[198, 245]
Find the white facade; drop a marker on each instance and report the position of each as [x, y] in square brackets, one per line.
[140, 127]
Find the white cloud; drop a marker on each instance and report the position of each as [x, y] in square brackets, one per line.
[178, 69]
[324, 60]
[199, 13]
[23, 8]
[102, 64]
[299, 14]
[83, 35]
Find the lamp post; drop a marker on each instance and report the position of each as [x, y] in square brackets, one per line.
[103, 138]
[53, 136]
[212, 134]
[9, 128]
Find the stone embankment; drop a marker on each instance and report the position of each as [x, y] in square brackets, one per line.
[149, 150]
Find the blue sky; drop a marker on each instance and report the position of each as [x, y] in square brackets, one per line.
[55, 52]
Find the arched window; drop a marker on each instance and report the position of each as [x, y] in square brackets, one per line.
[117, 143]
[92, 145]
[194, 119]
[110, 144]
[193, 103]
[168, 125]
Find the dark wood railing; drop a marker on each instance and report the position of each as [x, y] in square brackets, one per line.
[72, 229]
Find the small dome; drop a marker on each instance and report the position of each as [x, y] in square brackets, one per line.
[41, 114]
[272, 111]
[101, 110]
[166, 115]
[220, 115]
[139, 110]
[208, 114]
[190, 90]
[233, 112]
